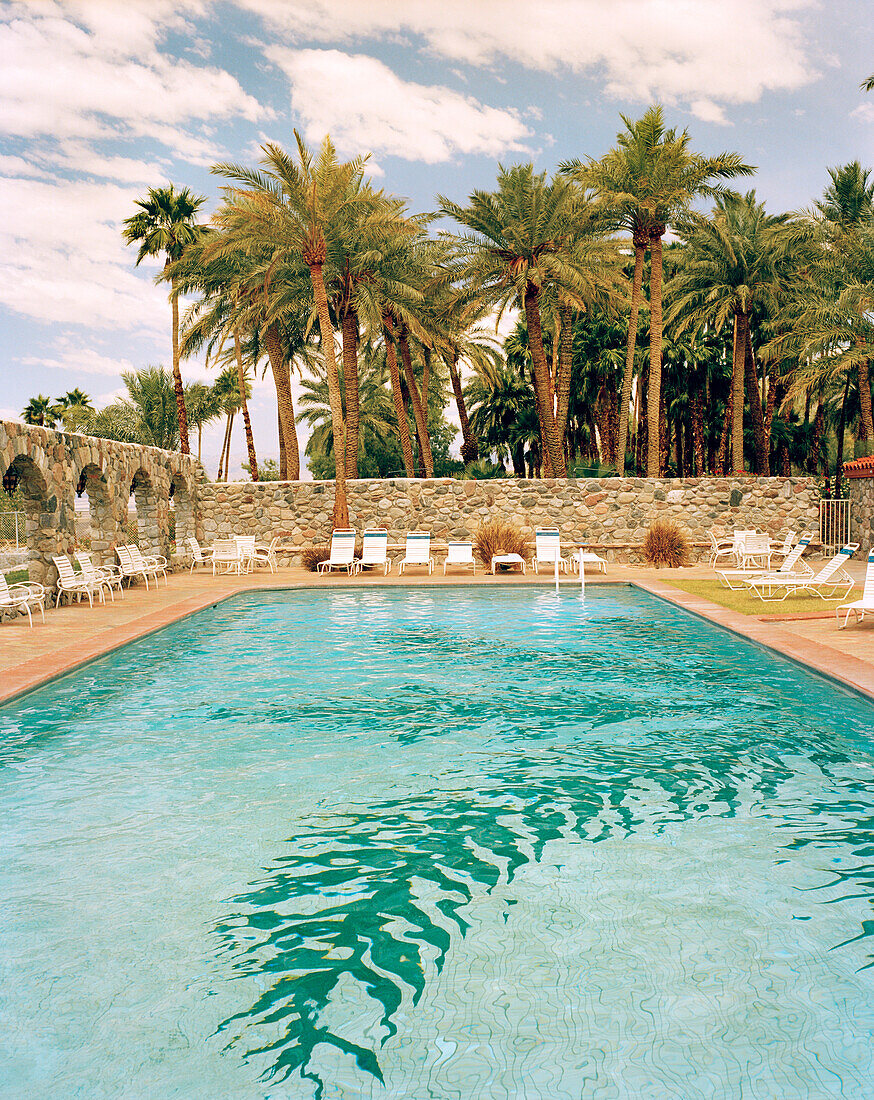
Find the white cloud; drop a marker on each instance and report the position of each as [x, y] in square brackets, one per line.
[719, 51]
[364, 106]
[92, 69]
[864, 112]
[80, 361]
[62, 258]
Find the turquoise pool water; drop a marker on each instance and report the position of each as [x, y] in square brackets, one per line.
[414, 844]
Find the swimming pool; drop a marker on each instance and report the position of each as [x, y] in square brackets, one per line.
[459, 843]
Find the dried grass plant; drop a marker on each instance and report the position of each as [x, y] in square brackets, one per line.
[311, 557]
[496, 536]
[666, 543]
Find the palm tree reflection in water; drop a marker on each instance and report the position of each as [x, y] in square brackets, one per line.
[346, 902]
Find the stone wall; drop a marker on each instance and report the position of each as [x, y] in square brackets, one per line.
[611, 513]
[861, 494]
[51, 468]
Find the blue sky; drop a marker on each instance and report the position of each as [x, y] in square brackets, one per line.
[100, 99]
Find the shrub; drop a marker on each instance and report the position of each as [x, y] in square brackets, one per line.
[311, 557]
[666, 544]
[482, 470]
[496, 536]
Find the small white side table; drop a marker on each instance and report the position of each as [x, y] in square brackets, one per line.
[509, 560]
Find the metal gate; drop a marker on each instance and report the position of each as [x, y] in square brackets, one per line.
[12, 529]
[834, 523]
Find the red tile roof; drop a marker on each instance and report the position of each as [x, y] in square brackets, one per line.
[860, 467]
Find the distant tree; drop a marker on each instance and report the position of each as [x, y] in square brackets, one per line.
[41, 412]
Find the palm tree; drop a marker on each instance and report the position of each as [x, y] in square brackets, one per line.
[74, 410]
[644, 184]
[295, 206]
[147, 415]
[497, 398]
[521, 242]
[201, 405]
[734, 262]
[164, 225]
[230, 399]
[41, 411]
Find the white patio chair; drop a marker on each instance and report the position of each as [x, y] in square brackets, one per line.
[374, 551]
[459, 553]
[824, 584]
[75, 584]
[153, 563]
[342, 553]
[547, 548]
[200, 555]
[582, 558]
[720, 546]
[109, 575]
[418, 551]
[792, 566]
[266, 555]
[225, 556]
[22, 597]
[246, 551]
[755, 553]
[860, 608]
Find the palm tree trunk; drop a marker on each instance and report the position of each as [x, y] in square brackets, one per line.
[813, 458]
[415, 399]
[867, 424]
[283, 462]
[842, 424]
[397, 396]
[551, 442]
[654, 394]
[244, 405]
[199, 440]
[221, 462]
[697, 418]
[469, 444]
[350, 385]
[755, 400]
[177, 374]
[426, 374]
[769, 412]
[563, 373]
[628, 373]
[282, 382]
[737, 395]
[340, 517]
[722, 448]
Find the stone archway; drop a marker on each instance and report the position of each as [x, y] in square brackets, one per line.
[43, 529]
[104, 533]
[182, 513]
[142, 489]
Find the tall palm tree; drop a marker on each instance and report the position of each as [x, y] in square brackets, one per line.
[201, 405]
[645, 183]
[497, 397]
[521, 242]
[165, 225]
[734, 262]
[230, 399]
[296, 205]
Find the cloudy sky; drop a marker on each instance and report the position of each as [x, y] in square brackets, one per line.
[100, 99]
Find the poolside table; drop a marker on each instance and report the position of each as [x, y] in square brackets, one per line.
[508, 560]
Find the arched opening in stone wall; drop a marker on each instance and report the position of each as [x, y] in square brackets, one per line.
[24, 479]
[142, 519]
[96, 525]
[181, 522]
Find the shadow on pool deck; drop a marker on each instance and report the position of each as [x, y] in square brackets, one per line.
[75, 634]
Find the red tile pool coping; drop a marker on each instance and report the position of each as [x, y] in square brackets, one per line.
[26, 676]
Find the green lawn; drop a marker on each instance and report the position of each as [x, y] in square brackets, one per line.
[17, 576]
[747, 604]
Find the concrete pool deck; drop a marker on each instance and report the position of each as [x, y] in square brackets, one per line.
[75, 634]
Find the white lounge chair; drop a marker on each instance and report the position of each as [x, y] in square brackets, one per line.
[859, 608]
[374, 551]
[547, 548]
[246, 552]
[109, 575]
[22, 597]
[153, 563]
[200, 555]
[418, 551]
[342, 553]
[459, 553]
[824, 584]
[792, 566]
[785, 547]
[582, 558]
[75, 584]
[266, 555]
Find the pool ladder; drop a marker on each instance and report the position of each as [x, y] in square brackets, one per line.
[582, 575]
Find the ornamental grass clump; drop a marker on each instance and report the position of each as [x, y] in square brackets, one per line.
[666, 543]
[311, 557]
[496, 536]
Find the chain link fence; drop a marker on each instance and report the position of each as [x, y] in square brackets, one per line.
[12, 530]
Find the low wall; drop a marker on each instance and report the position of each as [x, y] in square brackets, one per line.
[613, 513]
[861, 493]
